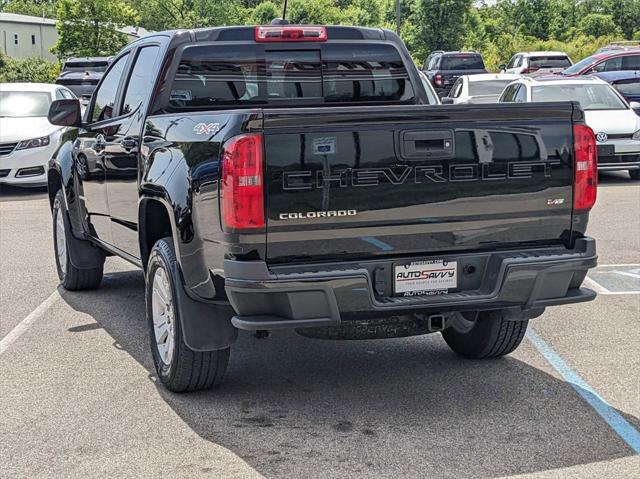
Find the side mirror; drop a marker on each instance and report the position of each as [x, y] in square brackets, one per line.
[635, 105]
[65, 113]
[502, 67]
[446, 100]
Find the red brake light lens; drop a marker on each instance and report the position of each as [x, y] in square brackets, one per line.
[438, 79]
[241, 189]
[290, 34]
[586, 168]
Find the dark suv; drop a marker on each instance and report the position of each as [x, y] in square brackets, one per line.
[81, 75]
[444, 68]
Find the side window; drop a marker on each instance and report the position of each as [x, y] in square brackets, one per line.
[435, 61]
[508, 94]
[105, 95]
[141, 79]
[457, 89]
[611, 65]
[521, 95]
[68, 94]
[632, 62]
[628, 87]
[518, 61]
[512, 62]
[60, 94]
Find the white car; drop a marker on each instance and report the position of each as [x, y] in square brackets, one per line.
[27, 139]
[431, 93]
[615, 124]
[483, 88]
[524, 63]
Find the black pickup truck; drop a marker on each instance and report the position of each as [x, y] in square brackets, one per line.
[296, 177]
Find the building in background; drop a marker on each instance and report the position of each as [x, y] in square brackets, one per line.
[25, 36]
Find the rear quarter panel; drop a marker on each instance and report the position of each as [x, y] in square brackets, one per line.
[182, 169]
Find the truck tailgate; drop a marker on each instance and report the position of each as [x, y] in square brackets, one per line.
[357, 182]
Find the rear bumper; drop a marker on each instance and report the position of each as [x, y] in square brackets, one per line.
[327, 294]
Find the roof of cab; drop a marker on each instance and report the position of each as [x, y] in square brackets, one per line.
[543, 53]
[558, 79]
[619, 75]
[492, 76]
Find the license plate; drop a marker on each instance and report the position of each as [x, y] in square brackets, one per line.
[606, 150]
[425, 277]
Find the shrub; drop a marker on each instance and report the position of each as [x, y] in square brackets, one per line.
[30, 70]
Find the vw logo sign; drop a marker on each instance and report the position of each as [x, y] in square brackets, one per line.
[601, 136]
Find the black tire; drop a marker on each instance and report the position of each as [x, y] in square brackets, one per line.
[634, 174]
[188, 370]
[491, 336]
[71, 277]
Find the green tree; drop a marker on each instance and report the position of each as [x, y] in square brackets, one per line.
[438, 24]
[35, 8]
[264, 12]
[315, 12]
[169, 14]
[598, 25]
[626, 14]
[89, 27]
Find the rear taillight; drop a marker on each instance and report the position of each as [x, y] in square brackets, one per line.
[241, 189]
[437, 79]
[586, 168]
[291, 34]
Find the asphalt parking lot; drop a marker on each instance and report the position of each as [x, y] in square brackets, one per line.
[79, 397]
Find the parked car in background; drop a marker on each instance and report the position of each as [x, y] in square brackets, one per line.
[616, 126]
[483, 88]
[608, 61]
[621, 45]
[445, 68]
[524, 63]
[27, 139]
[434, 99]
[82, 75]
[626, 82]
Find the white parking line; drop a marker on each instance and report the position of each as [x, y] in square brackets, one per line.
[24, 325]
[622, 265]
[597, 287]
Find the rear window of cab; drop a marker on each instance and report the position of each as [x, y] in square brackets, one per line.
[462, 62]
[210, 76]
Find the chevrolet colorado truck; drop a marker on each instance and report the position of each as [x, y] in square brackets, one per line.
[296, 177]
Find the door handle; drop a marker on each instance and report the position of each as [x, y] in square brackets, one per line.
[426, 144]
[129, 143]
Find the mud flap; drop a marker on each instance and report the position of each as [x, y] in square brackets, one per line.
[206, 326]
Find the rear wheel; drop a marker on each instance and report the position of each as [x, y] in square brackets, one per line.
[489, 335]
[179, 368]
[634, 174]
[71, 277]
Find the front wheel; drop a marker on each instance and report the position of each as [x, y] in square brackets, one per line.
[489, 335]
[634, 174]
[179, 367]
[72, 277]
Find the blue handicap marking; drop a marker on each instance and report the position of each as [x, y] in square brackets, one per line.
[617, 278]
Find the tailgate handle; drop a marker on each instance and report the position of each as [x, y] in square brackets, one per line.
[421, 144]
